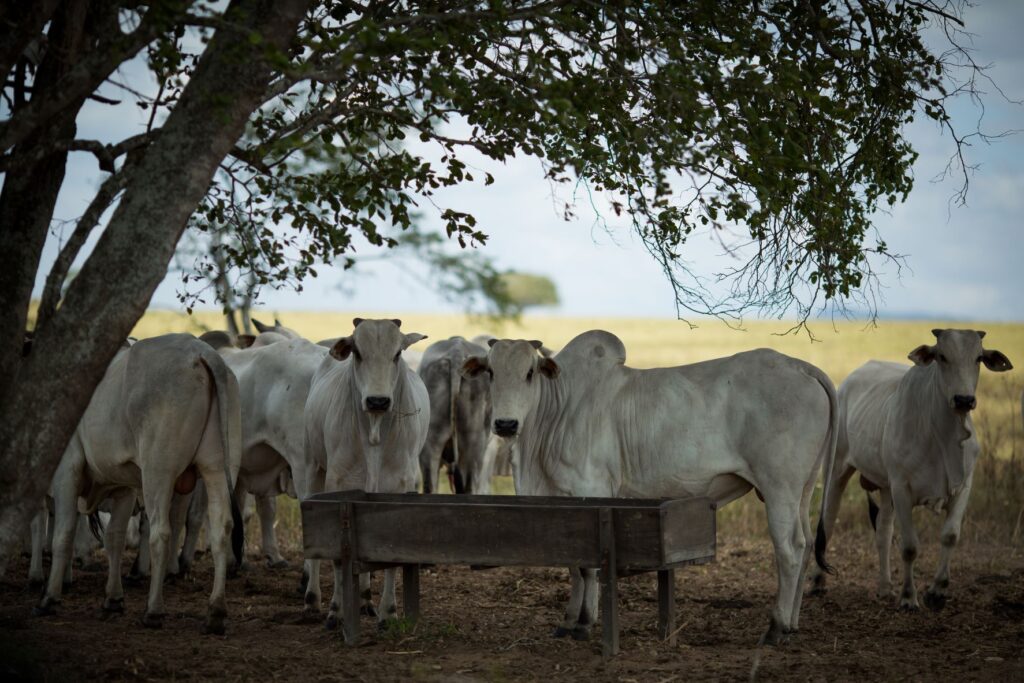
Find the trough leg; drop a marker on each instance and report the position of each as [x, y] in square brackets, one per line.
[609, 587]
[667, 605]
[350, 603]
[411, 591]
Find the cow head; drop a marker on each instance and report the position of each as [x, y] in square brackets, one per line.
[958, 355]
[375, 347]
[516, 371]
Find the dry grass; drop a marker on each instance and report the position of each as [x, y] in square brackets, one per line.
[997, 502]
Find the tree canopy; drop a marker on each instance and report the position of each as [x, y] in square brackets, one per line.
[289, 121]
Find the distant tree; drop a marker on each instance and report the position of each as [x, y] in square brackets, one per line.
[785, 117]
[526, 289]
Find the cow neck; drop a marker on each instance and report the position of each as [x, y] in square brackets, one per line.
[947, 431]
[540, 444]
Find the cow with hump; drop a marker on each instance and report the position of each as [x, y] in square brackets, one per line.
[166, 412]
[588, 425]
[366, 421]
[908, 430]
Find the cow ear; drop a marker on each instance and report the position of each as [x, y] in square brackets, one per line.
[473, 366]
[397, 322]
[537, 344]
[548, 367]
[995, 361]
[356, 322]
[244, 341]
[342, 348]
[922, 355]
[492, 341]
[411, 338]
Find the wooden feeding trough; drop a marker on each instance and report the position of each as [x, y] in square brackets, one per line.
[619, 536]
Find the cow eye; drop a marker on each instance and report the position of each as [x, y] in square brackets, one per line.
[529, 375]
[942, 359]
[397, 356]
[490, 373]
[356, 354]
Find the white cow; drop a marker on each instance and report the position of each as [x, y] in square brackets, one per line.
[165, 412]
[587, 425]
[274, 382]
[908, 430]
[366, 421]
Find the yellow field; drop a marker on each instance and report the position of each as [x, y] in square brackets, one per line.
[997, 507]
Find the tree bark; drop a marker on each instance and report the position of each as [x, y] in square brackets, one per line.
[114, 287]
[30, 194]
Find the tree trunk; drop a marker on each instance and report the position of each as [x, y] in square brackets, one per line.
[114, 287]
[30, 193]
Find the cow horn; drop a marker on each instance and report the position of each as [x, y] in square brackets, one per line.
[356, 322]
[937, 332]
[397, 322]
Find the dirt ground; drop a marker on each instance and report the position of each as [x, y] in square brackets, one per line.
[496, 625]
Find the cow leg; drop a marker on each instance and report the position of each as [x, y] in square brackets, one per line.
[388, 606]
[935, 596]
[787, 535]
[308, 480]
[903, 508]
[883, 543]
[588, 609]
[179, 510]
[266, 508]
[219, 527]
[193, 526]
[241, 495]
[430, 458]
[366, 607]
[36, 576]
[114, 542]
[157, 492]
[140, 568]
[572, 611]
[833, 493]
[66, 485]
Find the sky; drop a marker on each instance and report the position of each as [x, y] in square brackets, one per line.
[962, 262]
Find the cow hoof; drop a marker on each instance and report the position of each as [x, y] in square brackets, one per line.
[46, 609]
[560, 632]
[113, 606]
[332, 622]
[367, 611]
[277, 564]
[934, 601]
[907, 606]
[580, 633]
[775, 635]
[214, 625]
[152, 620]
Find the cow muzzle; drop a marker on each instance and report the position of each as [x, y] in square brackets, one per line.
[964, 404]
[378, 404]
[506, 427]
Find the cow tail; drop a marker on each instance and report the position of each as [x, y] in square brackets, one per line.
[454, 385]
[96, 525]
[821, 539]
[221, 380]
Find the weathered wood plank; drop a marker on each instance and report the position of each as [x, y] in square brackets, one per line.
[411, 591]
[349, 579]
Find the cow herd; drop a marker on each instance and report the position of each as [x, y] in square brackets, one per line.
[186, 428]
